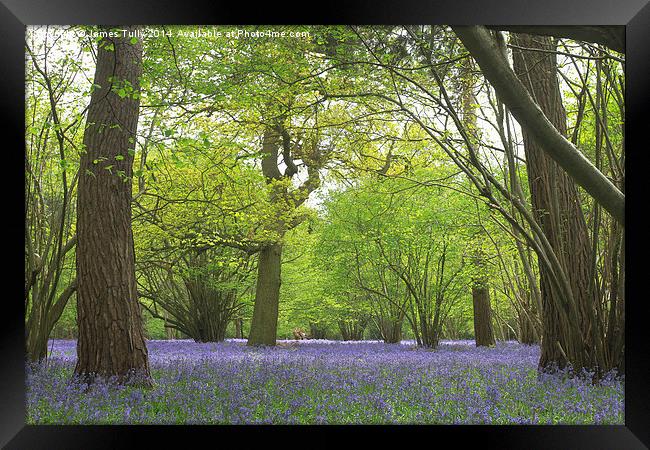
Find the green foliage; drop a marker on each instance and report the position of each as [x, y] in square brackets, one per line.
[391, 202]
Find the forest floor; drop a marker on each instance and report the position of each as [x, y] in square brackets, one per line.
[325, 382]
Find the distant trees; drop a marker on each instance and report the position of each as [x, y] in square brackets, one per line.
[352, 330]
[497, 183]
[111, 340]
[51, 161]
[367, 180]
[384, 291]
[197, 229]
[406, 251]
[199, 295]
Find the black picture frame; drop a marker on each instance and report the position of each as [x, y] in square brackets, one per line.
[634, 15]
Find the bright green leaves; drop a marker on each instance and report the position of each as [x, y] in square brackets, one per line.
[64, 164]
[107, 45]
[123, 88]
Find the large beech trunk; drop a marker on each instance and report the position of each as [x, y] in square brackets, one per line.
[264, 324]
[557, 208]
[483, 332]
[267, 296]
[111, 340]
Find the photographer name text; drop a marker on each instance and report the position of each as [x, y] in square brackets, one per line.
[199, 33]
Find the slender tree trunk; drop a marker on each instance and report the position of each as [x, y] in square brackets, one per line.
[352, 330]
[170, 333]
[267, 297]
[527, 332]
[111, 339]
[557, 208]
[239, 329]
[483, 332]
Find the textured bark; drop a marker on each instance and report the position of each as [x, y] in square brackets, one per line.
[483, 332]
[111, 340]
[264, 325]
[41, 324]
[239, 328]
[549, 139]
[267, 295]
[557, 208]
[527, 331]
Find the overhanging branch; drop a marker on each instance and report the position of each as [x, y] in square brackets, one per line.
[495, 68]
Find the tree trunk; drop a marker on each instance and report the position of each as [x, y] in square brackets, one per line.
[170, 332]
[317, 331]
[557, 208]
[391, 330]
[610, 36]
[40, 326]
[515, 92]
[527, 333]
[483, 332]
[267, 297]
[352, 330]
[239, 328]
[111, 340]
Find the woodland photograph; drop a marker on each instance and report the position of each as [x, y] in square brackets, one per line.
[324, 224]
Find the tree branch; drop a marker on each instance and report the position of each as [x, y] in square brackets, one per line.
[609, 36]
[496, 70]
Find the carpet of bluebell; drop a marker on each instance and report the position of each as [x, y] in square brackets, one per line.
[325, 382]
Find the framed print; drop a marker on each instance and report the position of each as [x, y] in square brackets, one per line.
[398, 218]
